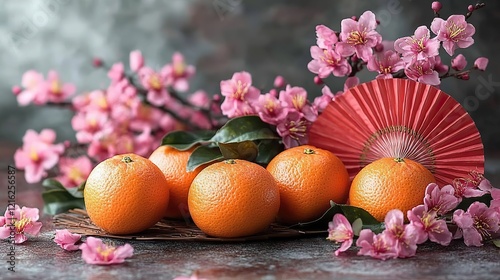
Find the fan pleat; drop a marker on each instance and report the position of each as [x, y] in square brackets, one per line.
[400, 118]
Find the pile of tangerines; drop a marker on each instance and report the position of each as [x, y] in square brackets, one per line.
[128, 193]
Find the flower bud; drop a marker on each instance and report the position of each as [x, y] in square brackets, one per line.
[273, 92]
[279, 82]
[318, 80]
[464, 76]
[481, 63]
[459, 62]
[16, 90]
[355, 18]
[97, 62]
[379, 47]
[470, 8]
[436, 6]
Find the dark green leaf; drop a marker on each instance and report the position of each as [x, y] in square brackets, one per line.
[497, 242]
[321, 222]
[467, 201]
[246, 128]
[58, 199]
[202, 155]
[350, 212]
[184, 140]
[246, 150]
[268, 149]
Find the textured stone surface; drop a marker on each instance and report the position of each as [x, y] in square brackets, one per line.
[308, 258]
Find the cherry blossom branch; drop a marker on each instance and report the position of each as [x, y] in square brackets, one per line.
[472, 8]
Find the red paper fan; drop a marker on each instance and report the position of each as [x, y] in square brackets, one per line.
[400, 118]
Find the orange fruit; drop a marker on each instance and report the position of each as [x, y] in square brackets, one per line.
[233, 198]
[308, 178]
[125, 194]
[173, 163]
[389, 183]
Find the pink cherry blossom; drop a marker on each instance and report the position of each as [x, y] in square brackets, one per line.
[340, 230]
[136, 60]
[293, 130]
[459, 62]
[74, 171]
[385, 64]
[240, 95]
[405, 237]
[439, 66]
[295, 99]
[359, 36]
[178, 73]
[478, 224]
[326, 37]
[32, 82]
[67, 240]
[57, 91]
[38, 154]
[419, 46]
[453, 32]
[440, 200]
[481, 63]
[381, 246]
[466, 187]
[155, 84]
[423, 71]
[326, 61]
[88, 124]
[350, 82]
[200, 99]
[116, 72]
[428, 226]
[144, 117]
[495, 202]
[17, 222]
[279, 82]
[94, 251]
[320, 102]
[270, 109]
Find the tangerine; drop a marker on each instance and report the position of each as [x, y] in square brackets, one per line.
[126, 194]
[173, 163]
[308, 178]
[233, 198]
[389, 183]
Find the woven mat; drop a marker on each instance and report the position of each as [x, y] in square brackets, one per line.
[77, 221]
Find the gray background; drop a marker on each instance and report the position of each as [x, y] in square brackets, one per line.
[219, 37]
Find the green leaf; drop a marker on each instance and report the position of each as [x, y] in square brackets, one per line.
[246, 150]
[497, 242]
[58, 199]
[352, 214]
[268, 149]
[357, 225]
[184, 140]
[246, 128]
[202, 155]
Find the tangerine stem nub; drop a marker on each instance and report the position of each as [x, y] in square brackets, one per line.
[127, 159]
[398, 159]
[308, 151]
[230, 161]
